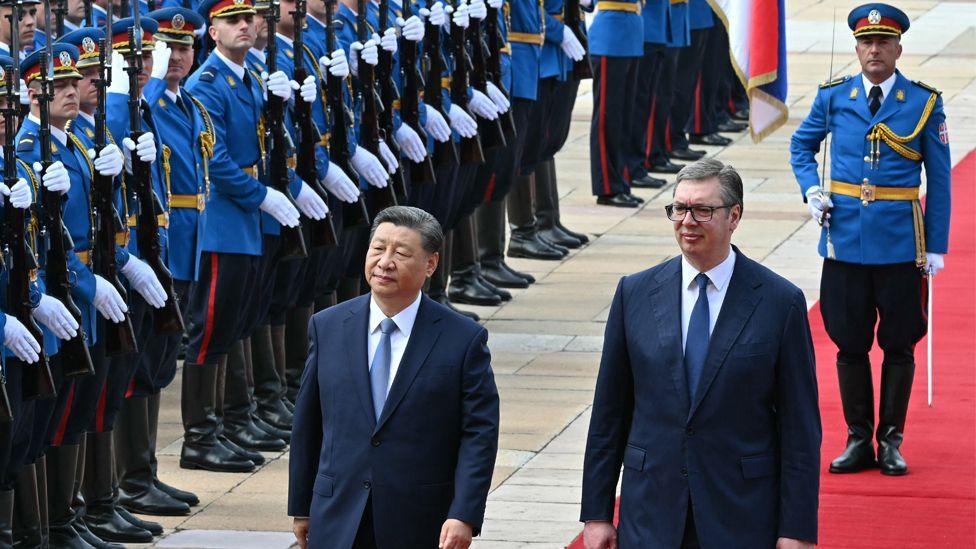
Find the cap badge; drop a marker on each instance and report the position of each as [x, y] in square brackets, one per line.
[88, 44]
[65, 59]
[874, 17]
[178, 21]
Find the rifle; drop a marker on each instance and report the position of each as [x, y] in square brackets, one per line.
[390, 96]
[167, 319]
[572, 19]
[60, 10]
[445, 154]
[75, 360]
[322, 232]
[413, 84]
[354, 214]
[490, 130]
[471, 152]
[89, 17]
[494, 67]
[369, 122]
[277, 141]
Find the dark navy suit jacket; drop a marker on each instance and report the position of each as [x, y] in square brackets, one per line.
[745, 449]
[428, 458]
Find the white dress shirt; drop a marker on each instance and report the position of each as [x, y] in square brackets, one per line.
[398, 339]
[234, 67]
[885, 86]
[718, 285]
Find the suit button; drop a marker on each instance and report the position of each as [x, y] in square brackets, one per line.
[367, 484]
[684, 472]
[689, 431]
[375, 442]
[866, 181]
[867, 158]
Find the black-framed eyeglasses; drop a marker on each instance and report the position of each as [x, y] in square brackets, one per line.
[701, 214]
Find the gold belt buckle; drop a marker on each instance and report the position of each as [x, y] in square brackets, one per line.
[867, 193]
[201, 202]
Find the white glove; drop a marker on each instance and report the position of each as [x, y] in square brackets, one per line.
[816, 203]
[277, 205]
[109, 160]
[410, 143]
[436, 126]
[310, 203]
[389, 158]
[477, 9]
[20, 194]
[934, 263]
[462, 122]
[56, 178]
[160, 59]
[437, 16]
[309, 90]
[338, 183]
[55, 316]
[389, 40]
[145, 149]
[367, 52]
[144, 280]
[20, 341]
[108, 302]
[482, 106]
[120, 80]
[413, 28]
[461, 17]
[24, 95]
[369, 167]
[498, 96]
[497, 4]
[571, 45]
[279, 84]
[337, 66]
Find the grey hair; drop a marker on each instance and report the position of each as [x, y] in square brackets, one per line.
[729, 181]
[431, 234]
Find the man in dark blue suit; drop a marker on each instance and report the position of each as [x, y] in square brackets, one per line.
[396, 423]
[707, 394]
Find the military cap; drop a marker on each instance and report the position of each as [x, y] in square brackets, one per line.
[120, 34]
[65, 57]
[877, 18]
[87, 40]
[224, 8]
[177, 25]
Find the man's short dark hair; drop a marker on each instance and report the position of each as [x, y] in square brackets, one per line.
[707, 168]
[431, 234]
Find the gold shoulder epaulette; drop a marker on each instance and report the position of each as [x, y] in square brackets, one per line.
[834, 82]
[921, 84]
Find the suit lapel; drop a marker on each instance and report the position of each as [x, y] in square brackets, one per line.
[890, 106]
[856, 95]
[426, 330]
[357, 354]
[741, 299]
[665, 299]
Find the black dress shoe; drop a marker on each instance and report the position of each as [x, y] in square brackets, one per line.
[636, 198]
[559, 248]
[63, 536]
[889, 456]
[189, 498]
[713, 139]
[575, 234]
[856, 457]
[497, 274]
[91, 539]
[153, 528]
[666, 167]
[465, 289]
[246, 434]
[288, 402]
[560, 237]
[732, 127]
[502, 293]
[687, 154]
[152, 501]
[108, 525]
[443, 300]
[617, 200]
[283, 434]
[528, 278]
[741, 115]
[254, 457]
[274, 413]
[528, 245]
[648, 182]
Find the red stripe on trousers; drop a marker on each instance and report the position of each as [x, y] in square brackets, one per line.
[208, 325]
[63, 422]
[698, 105]
[132, 388]
[491, 188]
[602, 124]
[650, 134]
[100, 410]
[667, 136]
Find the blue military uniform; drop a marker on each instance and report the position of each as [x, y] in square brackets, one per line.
[884, 133]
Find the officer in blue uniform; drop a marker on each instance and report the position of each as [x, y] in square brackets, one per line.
[877, 243]
[616, 46]
[27, 24]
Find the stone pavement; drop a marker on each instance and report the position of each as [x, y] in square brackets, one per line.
[546, 341]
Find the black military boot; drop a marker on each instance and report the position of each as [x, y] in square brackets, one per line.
[133, 456]
[40, 467]
[279, 345]
[6, 518]
[78, 504]
[437, 284]
[27, 512]
[896, 388]
[239, 425]
[296, 348]
[201, 447]
[61, 464]
[268, 388]
[152, 405]
[857, 396]
[524, 240]
[490, 218]
[466, 286]
[100, 503]
[547, 208]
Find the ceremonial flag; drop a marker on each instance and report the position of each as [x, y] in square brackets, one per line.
[757, 40]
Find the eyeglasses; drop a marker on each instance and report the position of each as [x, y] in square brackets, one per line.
[701, 214]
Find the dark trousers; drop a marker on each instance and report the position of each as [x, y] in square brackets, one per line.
[225, 284]
[614, 89]
[122, 368]
[664, 98]
[690, 538]
[366, 534]
[14, 434]
[80, 411]
[560, 116]
[686, 112]
[641, 141]
[537, 129]
[157, 361]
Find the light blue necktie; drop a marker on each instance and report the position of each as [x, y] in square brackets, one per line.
[696, 342]
[379, 371]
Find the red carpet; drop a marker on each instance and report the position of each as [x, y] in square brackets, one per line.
[935, 504]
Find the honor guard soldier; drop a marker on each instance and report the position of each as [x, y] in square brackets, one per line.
[27, 25]
[876, 241]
